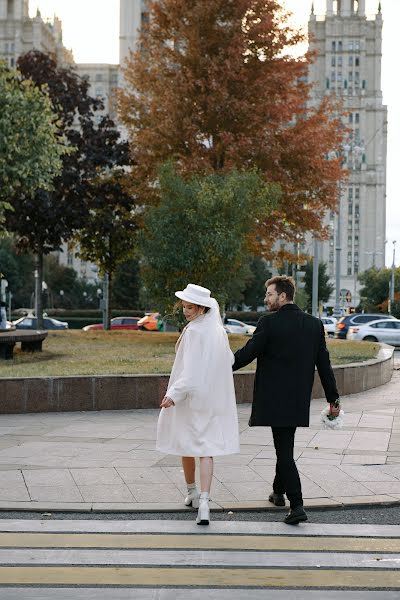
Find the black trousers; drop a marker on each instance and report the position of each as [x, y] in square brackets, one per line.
[287, 480]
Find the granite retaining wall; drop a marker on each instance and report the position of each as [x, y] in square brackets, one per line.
[120, 392]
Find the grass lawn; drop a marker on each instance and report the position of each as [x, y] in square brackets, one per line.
[122, 352]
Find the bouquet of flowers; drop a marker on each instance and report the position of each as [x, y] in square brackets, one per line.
[331, 421]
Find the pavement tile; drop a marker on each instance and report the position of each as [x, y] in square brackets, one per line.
[362, 459]
[101, 476]
[347, 488]
[354, 500]
[251, 490]
[47, 506]
[56, 493]
[14, 493]
[106, 493]
[228, 474]
[57, 477]
[366, 440]
[384, 487]
[363, 473]
[143, 475]
[164, 492]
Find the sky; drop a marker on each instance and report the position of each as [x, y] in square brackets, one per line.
[91, 30]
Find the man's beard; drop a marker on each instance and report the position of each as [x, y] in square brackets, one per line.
[273, 307]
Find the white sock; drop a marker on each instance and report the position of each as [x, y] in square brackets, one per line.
[191, 487]
[205, 496]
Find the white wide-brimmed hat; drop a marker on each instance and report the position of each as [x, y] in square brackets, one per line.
[195, 294]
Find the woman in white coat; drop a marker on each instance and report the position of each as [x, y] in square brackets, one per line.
[198, 415]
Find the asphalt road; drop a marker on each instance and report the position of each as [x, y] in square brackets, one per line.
[383, 515]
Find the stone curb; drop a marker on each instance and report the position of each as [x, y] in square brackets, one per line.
[103, 507]
[127, 392]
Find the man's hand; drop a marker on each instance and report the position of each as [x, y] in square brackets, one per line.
[167, 402]
[334, 408]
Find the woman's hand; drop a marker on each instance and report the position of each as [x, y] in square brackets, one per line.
[167, 402]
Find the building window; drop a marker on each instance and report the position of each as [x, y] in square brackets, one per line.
[70, 258]
[357, 61]
[350, 61]
[340, 61]
[357, 117]
[350, 76]
[99, 77]
[333, 46]
[350, 193]
[357, 45]
[357, 193]
[10, 8]
[348, 270]
[351, 46]
[340, 46]
[333, 61]
[333, 76]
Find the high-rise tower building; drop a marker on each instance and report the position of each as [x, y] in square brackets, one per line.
[133, 14]
[19, 33]
[348, 64]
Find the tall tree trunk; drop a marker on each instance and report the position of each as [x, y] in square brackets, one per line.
[38, 288]
[107, 301]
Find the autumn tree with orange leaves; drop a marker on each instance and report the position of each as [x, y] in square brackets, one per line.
[215, 87]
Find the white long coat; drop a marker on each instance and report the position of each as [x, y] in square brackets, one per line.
[204, 420]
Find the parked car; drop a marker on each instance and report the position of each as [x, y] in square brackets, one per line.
[383, 330]
[30, 322]
[235, 326]
[329, 324]
[354, 320]
[123, 323]
[149, 322]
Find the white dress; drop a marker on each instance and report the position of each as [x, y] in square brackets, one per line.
[204, 420]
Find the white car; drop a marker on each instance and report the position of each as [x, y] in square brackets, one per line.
[235, 326]
[329, 324]
[384, 330]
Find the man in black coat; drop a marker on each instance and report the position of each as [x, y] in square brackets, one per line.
[288, 344]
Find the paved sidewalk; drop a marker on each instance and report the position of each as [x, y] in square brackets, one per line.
[107, 460]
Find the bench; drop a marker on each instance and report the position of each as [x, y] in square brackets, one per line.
[31, 341]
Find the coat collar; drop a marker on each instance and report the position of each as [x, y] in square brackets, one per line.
[289, 307]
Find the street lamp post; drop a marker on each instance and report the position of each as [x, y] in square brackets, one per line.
[337, 310]
[314, 303]
[393, 271]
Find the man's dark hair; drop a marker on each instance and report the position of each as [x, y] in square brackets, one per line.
[283, 283]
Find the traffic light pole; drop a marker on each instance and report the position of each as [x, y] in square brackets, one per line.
[337, 310]
[315, 279]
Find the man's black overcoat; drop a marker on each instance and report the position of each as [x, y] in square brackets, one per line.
[287, 344]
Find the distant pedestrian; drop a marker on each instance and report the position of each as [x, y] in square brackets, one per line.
[288, 344]
[3, 315]
[198, 413]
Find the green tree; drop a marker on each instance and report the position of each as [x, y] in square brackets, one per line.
[127, 284]
[30, 143]
[374, 292]
[17, 268]
[325, 288]
[109, 234]
[199, 232]
[254, 292]
[44, 221]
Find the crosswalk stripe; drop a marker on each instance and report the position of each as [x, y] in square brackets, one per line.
[184, 527]
[181, 556]
[190, 558]
[203, 577]
[203, 542]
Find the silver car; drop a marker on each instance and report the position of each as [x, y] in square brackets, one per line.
[384, 330]
[235, 326]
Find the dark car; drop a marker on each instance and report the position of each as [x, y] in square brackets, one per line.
[30, 322]
[343, 324]
[121, 323]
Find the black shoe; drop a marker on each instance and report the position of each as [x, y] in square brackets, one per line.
[277, 499]
[296, 515]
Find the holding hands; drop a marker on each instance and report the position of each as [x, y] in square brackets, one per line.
[167, 402]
